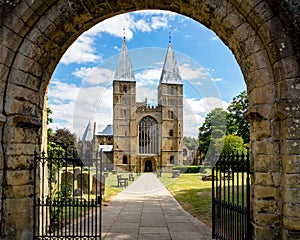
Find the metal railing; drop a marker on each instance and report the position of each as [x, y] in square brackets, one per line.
[231, 198]
[67, 197]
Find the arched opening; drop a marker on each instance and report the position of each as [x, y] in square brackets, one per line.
[261, 36]
[148, 166]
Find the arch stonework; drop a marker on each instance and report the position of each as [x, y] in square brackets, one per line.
[264, 37]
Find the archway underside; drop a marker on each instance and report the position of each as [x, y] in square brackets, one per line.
[35, 34]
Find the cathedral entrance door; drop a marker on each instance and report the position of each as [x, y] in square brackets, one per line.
[148, 166]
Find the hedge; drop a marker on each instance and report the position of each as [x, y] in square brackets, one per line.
[192, 169]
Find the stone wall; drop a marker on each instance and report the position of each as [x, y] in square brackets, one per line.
[264, 37]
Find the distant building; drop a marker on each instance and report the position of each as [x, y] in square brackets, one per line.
[144, 138]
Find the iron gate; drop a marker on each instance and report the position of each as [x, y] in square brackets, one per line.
[231, 197]
[67, 197]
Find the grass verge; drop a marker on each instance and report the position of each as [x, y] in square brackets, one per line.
[193, 194]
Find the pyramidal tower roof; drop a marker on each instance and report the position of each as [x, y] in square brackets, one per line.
[124, 70]
[170, 73]
[87, 135]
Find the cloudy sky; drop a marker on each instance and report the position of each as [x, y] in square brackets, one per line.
[81, 86]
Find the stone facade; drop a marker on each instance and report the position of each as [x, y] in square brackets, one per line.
[147, 138]
[264, 38]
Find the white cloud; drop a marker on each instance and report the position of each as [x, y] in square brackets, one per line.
[60, 91]
[194, 112]
[217, 79]
[188, 73]
[81, 51]
[94, 75]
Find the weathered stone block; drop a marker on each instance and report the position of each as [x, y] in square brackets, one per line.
[15, 149]
[287, 68]
[19, 205]
[264, 219]
[5, 59]
[265, 147]
[291, 164]
[22, 191]
[266, 193]
[291, 181]
[288, 109]
[18, 177]
[266, 206]
[291, 223]
[292, 210]
[9, 39]
[289, 88]
[292, 128]
[262, 95]
[291, 195]
[26, 79]
[265, 233]
[291, 147]
[290, 235]
[267, 179]
[266, 163]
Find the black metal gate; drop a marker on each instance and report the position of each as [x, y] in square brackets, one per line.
[231, 198]
[67, 197]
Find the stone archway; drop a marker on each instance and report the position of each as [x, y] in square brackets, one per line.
[264, 37]
[148, 166]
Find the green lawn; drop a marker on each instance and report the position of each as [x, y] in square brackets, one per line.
[193, 194]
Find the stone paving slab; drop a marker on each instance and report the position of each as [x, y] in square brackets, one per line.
[147, 211]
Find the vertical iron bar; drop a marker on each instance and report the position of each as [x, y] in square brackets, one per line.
[34, 193]
[249, 232]
[213, 203]
[101, 184]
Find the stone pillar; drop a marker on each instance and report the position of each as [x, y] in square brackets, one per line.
[289, 114]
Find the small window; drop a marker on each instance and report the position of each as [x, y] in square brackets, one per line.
[171, 133]
[124, 160]
[124, 112]
[124, 101]
[171, 159]
[124, 89]
[125, 133]
[172, 91]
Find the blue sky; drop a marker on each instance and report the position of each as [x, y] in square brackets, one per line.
[81, 86]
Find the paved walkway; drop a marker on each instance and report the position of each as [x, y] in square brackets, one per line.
[147, 211]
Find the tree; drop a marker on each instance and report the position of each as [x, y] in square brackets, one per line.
[64, 138]
[214, 127]
[236, 123]
[219, 123]
[230, 144]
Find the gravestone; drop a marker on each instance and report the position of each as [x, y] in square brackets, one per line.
[98, 184]
[83, 182]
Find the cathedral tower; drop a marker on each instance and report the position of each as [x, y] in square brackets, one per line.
[170, 98]
[124, 106]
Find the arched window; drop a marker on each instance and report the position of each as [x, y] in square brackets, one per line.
[124, 160]
[124, 89]
[148, 136]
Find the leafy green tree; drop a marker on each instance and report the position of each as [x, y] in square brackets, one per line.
[236, 123]
[230, 144]
[214, 127]
[64, 138]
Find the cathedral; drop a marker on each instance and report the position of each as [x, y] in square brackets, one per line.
[144, 138]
